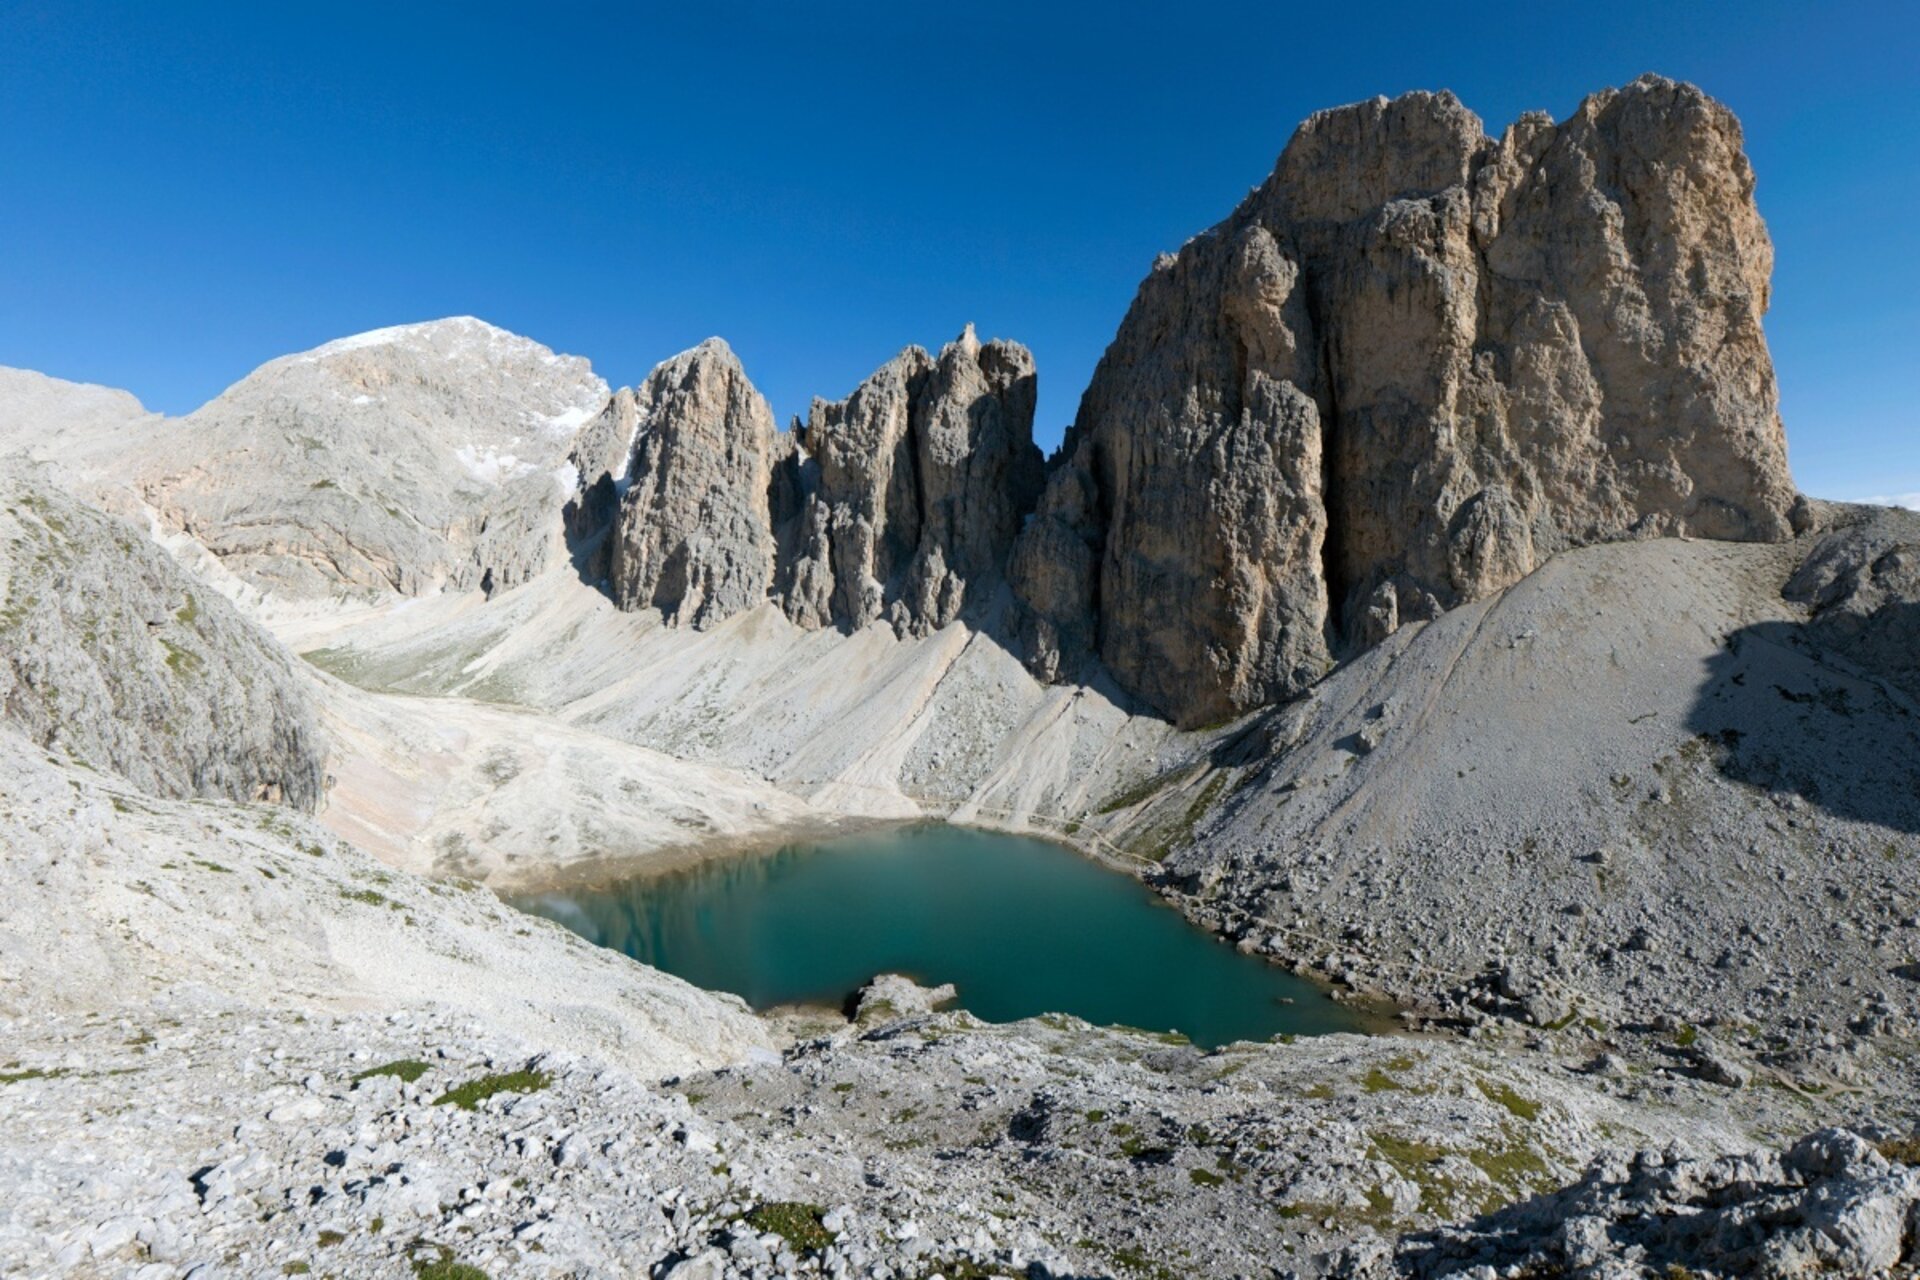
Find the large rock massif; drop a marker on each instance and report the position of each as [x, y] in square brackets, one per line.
[108, 648]
[1416, 362]
[1413, 364]
[693, 536]
[911, 489]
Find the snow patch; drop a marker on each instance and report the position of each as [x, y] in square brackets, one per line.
[570, 421]
[1911, 501]
[620, 478]
[490, 467]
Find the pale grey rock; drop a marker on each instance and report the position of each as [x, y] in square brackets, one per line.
[907, 495]
[1413, 364]
[693, 536]
[401, 461]
[1829, 1205]
[891, 996]
[112, 655]
[1648, 770]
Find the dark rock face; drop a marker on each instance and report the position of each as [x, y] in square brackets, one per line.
[1413, 364]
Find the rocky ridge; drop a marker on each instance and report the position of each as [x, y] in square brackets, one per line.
[884, 506]
[401, 461]
[1414, 364]
[911, 490]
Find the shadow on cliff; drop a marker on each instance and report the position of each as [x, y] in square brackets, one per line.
[588, 524]
[1794, 717]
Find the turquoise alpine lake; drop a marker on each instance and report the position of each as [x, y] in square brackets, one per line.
[1021, 927]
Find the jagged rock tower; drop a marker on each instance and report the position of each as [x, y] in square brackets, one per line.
[1415, 362]
[899, 503]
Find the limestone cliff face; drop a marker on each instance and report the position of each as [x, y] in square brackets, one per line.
[908, 494]
[1415, 362]
[899, 504]
[693, 533]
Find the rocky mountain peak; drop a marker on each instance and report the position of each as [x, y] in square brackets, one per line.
[403, 460]
[1413, 364]
[692, 535]
[913, 488]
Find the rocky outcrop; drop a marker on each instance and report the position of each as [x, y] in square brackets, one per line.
[111, 655]
[1861, 583]
[1829, 1205]
[907, 495]
[693, 535]
[1413, 364]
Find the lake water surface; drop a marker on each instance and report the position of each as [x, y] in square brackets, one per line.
[1020, 926]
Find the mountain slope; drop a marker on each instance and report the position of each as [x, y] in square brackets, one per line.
[114, 656]
[398, 461]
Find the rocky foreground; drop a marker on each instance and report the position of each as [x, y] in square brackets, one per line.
[1421, 599]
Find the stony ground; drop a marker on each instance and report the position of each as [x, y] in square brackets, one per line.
[1729, 842]
[190, 1135]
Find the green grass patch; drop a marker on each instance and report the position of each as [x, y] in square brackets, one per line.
[406, 1070]
[1134, 794]
[1378, 1081]
[474, 1092]
[1503, 1095]
[182, 662]
[796, 1223]
[443, 1267]
[31, 1073]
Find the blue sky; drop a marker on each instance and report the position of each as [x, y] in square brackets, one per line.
[187, 190]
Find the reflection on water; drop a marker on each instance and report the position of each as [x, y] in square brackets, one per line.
[1021, 927]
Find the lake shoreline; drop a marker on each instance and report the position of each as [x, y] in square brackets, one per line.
[1020, 932]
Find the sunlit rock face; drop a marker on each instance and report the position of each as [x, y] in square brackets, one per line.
[1414, 363]
[692, 535]
[911, 490]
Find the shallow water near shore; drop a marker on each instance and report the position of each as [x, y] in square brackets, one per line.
[1020, 926]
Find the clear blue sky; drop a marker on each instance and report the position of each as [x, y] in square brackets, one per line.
[187, 190]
